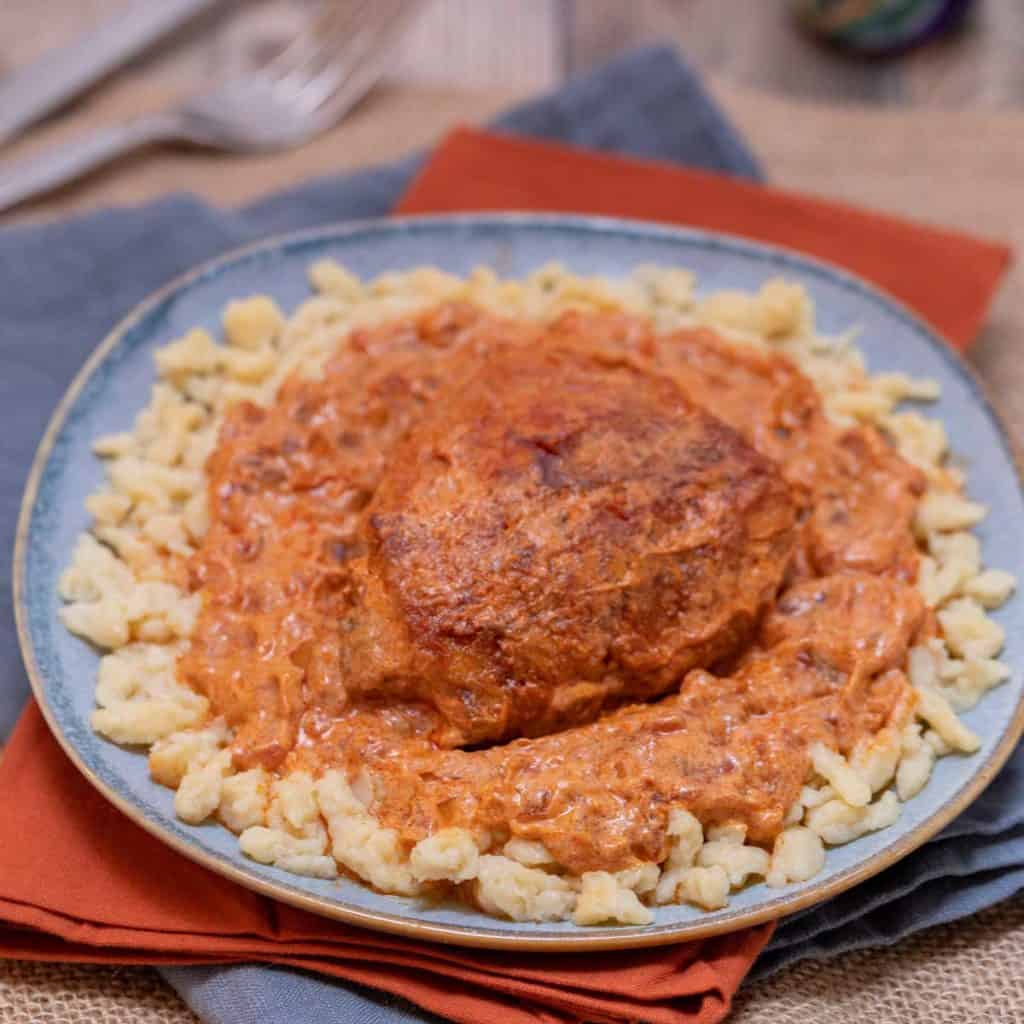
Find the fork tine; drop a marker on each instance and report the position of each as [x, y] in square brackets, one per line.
[345, 63]
[386, 14]
[319, 43]
[307, 88]
[343, 82]
[304, 49]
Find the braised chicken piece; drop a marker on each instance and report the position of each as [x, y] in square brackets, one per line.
[471, 529]
[562, 530]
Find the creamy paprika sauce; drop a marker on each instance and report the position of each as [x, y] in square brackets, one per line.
[550, 581]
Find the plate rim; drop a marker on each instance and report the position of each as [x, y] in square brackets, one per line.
[472, 936]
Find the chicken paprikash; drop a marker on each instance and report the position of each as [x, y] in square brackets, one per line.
[564, 597]
[549, 582]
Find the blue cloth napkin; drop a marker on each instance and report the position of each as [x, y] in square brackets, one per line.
[63, 285]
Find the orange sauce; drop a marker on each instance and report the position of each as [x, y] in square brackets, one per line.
[295, 493]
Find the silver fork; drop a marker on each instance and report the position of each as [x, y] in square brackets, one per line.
[298, 94]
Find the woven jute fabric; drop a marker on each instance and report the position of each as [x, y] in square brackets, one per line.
[35, 993]
[968, 972]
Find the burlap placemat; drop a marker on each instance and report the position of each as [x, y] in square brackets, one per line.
[35, 993]
[968, 972]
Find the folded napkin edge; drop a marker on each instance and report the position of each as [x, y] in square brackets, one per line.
[464, 132]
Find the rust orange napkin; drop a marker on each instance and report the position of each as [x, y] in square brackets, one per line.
[945, 276]
[80, 882]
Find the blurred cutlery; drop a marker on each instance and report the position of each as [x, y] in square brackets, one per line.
[60, 75]
[301, 92]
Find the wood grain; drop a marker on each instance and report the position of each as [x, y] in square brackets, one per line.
[497, 43]
[759, 45]
[466, 43]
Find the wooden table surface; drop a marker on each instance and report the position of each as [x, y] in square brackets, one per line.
[940, 138]
[534, 43]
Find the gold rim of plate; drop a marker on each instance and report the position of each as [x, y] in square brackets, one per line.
[468, 935]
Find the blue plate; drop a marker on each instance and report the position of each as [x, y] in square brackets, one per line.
[114, 385]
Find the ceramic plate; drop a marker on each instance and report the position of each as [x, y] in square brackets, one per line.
[115, 383]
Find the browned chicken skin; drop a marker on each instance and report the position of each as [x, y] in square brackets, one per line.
[563, 530]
